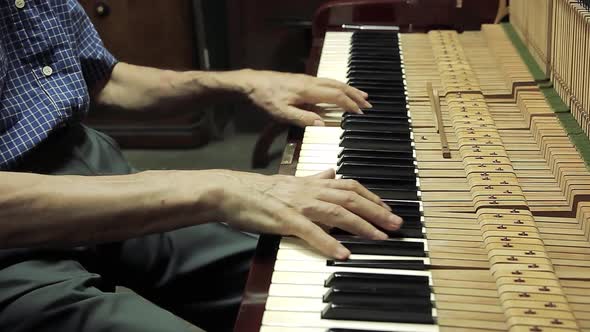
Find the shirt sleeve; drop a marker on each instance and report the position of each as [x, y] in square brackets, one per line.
[96, 61]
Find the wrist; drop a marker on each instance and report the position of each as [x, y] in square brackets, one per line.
[236, 82]
[192, 195]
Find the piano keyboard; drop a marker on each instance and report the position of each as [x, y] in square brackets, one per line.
[385, 285]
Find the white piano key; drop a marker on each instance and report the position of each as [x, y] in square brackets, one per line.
[315, 153]
[317, 167]
[299, 278]
[333, 160]
[318, 278]
[310, 173]
[321, 267]
[318, 129]
[300, 304]
[290, 242]
[305, 319]
[304, 291]
[291, 329]
[334, 149]
[279, 303]
[309, 255]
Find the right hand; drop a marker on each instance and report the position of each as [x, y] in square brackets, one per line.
[289, 205]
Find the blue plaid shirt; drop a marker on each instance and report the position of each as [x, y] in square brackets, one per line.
[50, 55]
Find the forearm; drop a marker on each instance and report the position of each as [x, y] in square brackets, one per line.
[37, 210]
[137, 88]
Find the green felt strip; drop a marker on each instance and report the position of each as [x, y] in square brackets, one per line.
[555, 101]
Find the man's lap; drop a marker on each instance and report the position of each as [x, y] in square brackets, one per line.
[198, 272]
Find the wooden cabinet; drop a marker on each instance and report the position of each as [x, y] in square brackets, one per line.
[270, 34]
[156, 33]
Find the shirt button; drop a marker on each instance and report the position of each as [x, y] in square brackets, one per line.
[47, 71]
[20, 4]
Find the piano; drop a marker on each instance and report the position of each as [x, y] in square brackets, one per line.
[476, 151]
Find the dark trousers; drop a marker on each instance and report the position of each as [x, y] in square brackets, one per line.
[197, 272]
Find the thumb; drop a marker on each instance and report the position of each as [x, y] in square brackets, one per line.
[327, 174]
[301, 117]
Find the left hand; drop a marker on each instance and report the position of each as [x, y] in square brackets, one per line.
[283, 95]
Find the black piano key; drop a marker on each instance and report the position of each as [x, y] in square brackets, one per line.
[343, 279]
[382, 247]
[378, 63]
[388, 105]
[403, 303]
[378, 139]
[402, 112]
[405, 232]
[376, 144]
[371, 83]
[392, 172]
[409, 229]
[381, 295]
[408, 195]
[373, 134]
[381, 314]
[403, 209]
[373, 65]
[399, 115]
[393, 290]
[383, 77]
[375, 160]
[417, 265]
[376, 125]
[373, 52]
[377, 153]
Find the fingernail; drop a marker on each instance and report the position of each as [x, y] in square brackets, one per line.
[318, 123]
[368, 105]
[395, 220]
[359, 111]
[365, 94]
[386, 206]
[379, 235]
[342, 253]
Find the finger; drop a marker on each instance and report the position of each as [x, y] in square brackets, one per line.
[311, 233]
[353, 185]
[274, 216]
[337, 216]
[357, 95]
[327, 174]
[362, 207]
[331, 95]
[300, 117]
[343, 86]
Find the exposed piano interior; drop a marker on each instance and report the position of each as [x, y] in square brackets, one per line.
[496, 235]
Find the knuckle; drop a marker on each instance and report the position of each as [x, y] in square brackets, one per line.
[341, 97]
[308, 209]
[335, 210]
[353, 185]
[350, 198]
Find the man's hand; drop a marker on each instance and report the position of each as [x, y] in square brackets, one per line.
[302, 207]
[283, 95]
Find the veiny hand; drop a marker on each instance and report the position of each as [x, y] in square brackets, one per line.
[298, 206]
[283, 95]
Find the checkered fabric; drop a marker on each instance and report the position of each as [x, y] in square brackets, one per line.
[50, 56]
